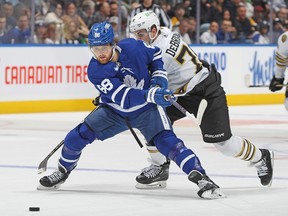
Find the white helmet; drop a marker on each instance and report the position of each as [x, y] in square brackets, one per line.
[144, 20]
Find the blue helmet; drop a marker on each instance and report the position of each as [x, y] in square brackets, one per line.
[101, 34]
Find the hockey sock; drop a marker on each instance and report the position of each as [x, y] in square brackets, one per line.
[74, 142]
[173, 148]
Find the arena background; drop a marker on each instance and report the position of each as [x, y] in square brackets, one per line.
[39, 78]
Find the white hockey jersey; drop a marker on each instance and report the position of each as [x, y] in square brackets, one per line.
[282, 55]
[182, 64]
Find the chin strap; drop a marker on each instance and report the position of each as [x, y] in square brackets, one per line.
[152, 39]
[113, 53]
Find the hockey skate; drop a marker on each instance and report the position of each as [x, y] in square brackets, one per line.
[153, 177]
[208, 189]
[54, 181]
[265, 167]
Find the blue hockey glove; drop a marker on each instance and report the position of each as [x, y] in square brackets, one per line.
[159, 79]
[160, 96]
[276, 84]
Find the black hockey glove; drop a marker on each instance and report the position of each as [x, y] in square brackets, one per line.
[96, 101]
[276, 84]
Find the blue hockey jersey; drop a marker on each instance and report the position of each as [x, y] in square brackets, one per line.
[123, 84]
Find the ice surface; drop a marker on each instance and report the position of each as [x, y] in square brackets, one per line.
[103, 183]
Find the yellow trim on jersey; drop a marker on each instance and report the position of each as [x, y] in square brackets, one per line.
[86, 104]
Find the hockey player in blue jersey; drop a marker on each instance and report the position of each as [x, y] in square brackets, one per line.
[133, 88]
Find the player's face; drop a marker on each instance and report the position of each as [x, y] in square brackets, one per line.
[102, 53]
[142, 35]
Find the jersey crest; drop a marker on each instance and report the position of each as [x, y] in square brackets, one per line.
[284, 38]
[132, 82]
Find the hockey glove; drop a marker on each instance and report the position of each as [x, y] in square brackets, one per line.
[159, 79]
[276, 84]
[96, 101]
[160, 96]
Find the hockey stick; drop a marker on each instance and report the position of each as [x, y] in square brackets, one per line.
[201, 109]
[43, 165]
[247, 83]
[133, 133]
[266, 86]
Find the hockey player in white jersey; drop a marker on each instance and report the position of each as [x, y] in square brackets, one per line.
[281, 65]
[193, 80]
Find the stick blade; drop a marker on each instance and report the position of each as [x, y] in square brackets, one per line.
[201, 109]
[42, 166]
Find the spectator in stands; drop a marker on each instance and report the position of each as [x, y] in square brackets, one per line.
[232, 6]
[23, 7]
[40, 32]
[277, 4]
[150, 5]
[278, 29]
[114, 9]
[114, 20]
[242, 25]
[87, 12]
[71, 15]
[226, 33]
[3, 29]
[52, 36]
[226, 15]
[249, 8]
[192, 29]
[55, 16]
[123, 11]
[179, 13]
[188, 8]
[258, 16]
[205, 11]
[7, 9]
[72, 34]
[209, 36]
[103, 14]
[43, 6]
[21, 33]
[183, 30]
[282, 14]
[262, 34]
[217, 10]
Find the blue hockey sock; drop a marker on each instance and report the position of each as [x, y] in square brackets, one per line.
[69, 158]
[74, 142]
[173, 148]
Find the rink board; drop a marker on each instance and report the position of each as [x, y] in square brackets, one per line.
[52, 79]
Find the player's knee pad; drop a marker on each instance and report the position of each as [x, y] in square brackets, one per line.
[79, 137]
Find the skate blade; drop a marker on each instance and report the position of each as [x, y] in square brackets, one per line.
[154, 185]
[272, 165]
[213, 194]
[55, 187]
